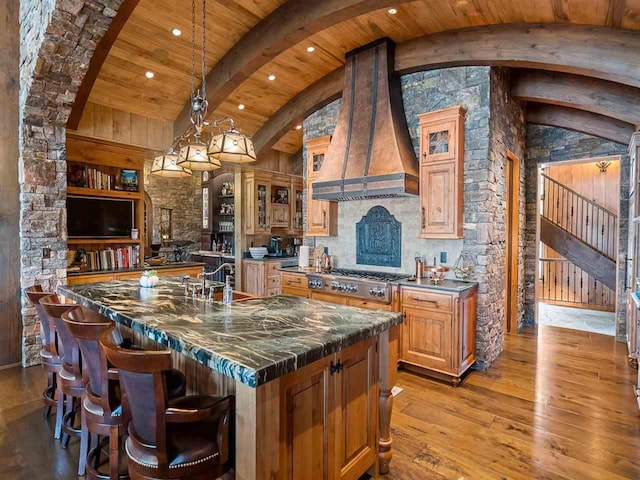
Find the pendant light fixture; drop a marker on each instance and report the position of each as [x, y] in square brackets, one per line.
[199, 150]
[231, 146]
[166, 165]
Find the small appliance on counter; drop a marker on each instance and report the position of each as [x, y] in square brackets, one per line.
[276, 245]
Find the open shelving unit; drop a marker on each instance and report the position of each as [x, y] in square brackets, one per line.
[86, 157]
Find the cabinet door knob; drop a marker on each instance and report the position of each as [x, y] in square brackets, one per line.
[324, 219]
[423, 218]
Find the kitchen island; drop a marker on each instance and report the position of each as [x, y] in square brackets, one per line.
[311, 398]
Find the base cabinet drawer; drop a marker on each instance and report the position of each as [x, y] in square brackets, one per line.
[292, 280]
[327, 297]
[298, 292]
[421, 298]
[368, 304]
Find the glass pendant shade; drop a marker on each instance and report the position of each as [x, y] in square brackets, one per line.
[232, 147]
[166, 165]
[193, 155]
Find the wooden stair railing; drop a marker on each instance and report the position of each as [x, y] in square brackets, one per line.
[580, 230]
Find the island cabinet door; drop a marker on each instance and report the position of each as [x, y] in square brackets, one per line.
[306, 422]
[428, 338]
[356, 410]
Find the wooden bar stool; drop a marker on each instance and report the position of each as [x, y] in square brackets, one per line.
[49, 358]
[102, 405]
[70, 381]
[185, 438]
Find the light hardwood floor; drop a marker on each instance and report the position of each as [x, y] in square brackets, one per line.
[558, 405]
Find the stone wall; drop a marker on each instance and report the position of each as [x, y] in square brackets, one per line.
[57, 40]
[547, 145]
[493, 125]
[508, 134]
[184, 197]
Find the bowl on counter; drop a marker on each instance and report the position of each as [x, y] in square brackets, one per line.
[258, 252]
[156, 261]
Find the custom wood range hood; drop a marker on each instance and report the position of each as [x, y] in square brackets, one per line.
[370, 155]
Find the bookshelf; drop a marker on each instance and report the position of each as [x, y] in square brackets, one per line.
[95, 169]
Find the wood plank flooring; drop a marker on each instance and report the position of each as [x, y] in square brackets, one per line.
[558, 405]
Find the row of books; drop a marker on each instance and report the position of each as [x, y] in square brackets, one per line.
[83, 176]
[114, 259]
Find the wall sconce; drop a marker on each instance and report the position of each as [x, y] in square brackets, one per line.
[603, 166]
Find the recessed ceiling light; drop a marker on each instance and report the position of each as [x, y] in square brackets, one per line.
[392, 11]
[149, 75]
[298, 127]
[241, 106]
[310, 49]
[272, 77]
[177, 32]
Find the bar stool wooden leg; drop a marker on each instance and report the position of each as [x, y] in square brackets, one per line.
[84, 443]
[59, 414]
[114, 451]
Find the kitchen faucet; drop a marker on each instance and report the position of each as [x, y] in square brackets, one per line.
[229, 266]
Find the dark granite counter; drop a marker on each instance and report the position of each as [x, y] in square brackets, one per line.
[253, 341]
[449, 285]
[140, 269]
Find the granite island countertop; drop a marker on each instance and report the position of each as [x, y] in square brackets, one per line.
[252, 341]
[144, 267]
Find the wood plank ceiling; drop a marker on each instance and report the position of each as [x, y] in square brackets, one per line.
[146, 43]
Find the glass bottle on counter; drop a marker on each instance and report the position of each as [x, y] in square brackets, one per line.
[227, 292]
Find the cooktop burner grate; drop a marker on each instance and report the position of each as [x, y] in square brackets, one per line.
[366, 275]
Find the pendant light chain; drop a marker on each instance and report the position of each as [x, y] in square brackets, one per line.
[193, 49]
[204, 50]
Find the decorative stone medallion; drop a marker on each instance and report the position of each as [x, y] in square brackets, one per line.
[378, 239]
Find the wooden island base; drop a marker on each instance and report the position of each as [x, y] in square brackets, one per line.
[328, 420]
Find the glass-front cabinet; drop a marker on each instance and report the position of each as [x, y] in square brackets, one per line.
[257, 199]
[281, 199]
[297, 207]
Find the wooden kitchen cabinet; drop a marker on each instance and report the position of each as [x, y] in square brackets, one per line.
[438, 332]
[441, 173]
[262, 277]
[294, 284]
[297, 207]
[257, 200]
[322, 215]
[329, 410]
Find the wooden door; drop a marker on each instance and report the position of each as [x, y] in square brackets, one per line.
[427, 338]
[307, 424]
[249, 197]
[253, 278]
[317, 214]
[355, 408]
[512, 227]
[438, 199]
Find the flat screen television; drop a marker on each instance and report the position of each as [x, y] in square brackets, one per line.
[99, 217]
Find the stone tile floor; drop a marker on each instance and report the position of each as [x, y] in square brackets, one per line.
[594, 321]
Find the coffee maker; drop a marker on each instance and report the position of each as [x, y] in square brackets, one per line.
[276, 245]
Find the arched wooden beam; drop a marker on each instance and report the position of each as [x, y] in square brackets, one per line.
[308, 101]
[97, 60]
[288, 25]
[599, 52]
[611, 99]
[589, 51]
[580, 121]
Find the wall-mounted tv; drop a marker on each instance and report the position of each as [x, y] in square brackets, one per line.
[99, 217]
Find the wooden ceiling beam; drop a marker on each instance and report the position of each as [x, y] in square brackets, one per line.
[600, 52]
[288, 25]
[583, 50]
[580, 121]
[611, 99]
[97, 60]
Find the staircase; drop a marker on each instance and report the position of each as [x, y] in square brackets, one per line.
[585, 234]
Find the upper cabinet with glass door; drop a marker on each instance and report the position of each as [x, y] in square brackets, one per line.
[441, 173]
[322, 216]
